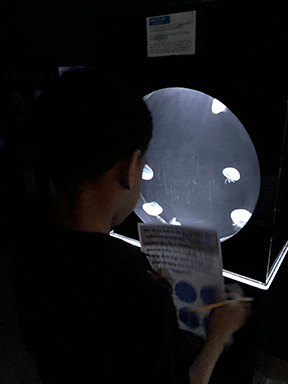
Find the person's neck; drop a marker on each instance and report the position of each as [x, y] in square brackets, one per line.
[78, 225]
[85, 214]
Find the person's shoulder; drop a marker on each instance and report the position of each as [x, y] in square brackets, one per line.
[101, 247]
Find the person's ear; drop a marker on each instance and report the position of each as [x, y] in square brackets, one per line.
[130, 169]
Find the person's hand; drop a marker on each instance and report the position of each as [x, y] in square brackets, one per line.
[233, 292]
[226, 320]
[222, 323]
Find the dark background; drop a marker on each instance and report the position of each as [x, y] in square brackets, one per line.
[241, 59]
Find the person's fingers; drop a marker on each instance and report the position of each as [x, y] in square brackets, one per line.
[234, 288]
[224, 321]
[242, 310]
[233, 291]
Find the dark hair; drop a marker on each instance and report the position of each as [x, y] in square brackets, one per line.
[85, 122]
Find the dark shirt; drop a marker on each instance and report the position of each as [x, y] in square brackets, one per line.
[92, 311]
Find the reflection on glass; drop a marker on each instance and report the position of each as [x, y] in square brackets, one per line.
[147, 173]
[153, 208]
[240, 217]
[217, 107]
[231, 174]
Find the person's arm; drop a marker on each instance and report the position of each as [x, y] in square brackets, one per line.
[223, 322]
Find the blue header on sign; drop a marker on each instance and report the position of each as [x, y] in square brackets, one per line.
[159, 20]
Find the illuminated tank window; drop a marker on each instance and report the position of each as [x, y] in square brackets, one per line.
[202, 168]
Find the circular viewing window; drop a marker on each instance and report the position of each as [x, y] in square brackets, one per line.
[202, 168]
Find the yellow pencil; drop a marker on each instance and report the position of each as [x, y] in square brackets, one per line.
[216, 305]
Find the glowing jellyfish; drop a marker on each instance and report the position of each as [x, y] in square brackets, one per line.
[217, 107]
[153, 208]
[231, 174]
[174, 221]
[240, 217]
[147, 173]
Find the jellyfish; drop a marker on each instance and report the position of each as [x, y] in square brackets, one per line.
[174, 221]
[240, 217]
[153, 208]
[217, 107]
[147, 173]
[231, 174]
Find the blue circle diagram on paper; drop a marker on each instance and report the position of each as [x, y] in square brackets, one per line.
[186, 292]
[207, 295]
[190, 319]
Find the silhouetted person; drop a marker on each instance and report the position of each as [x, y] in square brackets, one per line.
[90, 307]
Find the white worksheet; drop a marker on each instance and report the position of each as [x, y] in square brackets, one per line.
[191, 268]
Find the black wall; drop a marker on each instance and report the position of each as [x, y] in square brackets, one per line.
[241, 59]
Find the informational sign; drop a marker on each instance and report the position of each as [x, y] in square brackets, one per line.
[172, 34]
[190, 265]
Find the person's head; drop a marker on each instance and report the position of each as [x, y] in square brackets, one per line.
[91, 132]
[85, 122]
